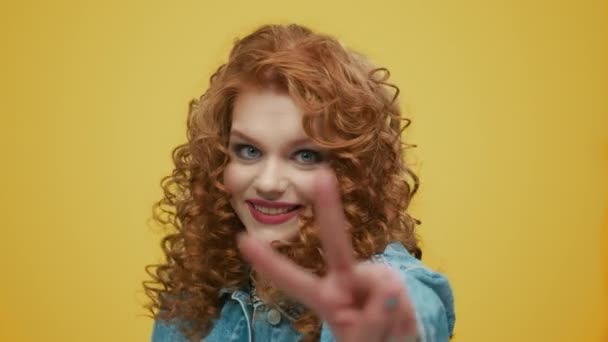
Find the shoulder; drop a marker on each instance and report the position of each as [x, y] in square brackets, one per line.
[167, 331]
[429, 291]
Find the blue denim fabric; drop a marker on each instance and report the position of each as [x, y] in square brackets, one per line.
[242, 321]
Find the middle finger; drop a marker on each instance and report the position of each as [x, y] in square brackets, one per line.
[332, 224]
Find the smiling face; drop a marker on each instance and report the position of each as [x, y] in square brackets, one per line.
[272, 164]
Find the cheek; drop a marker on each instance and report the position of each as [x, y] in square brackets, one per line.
[235, 178]
[230, 178]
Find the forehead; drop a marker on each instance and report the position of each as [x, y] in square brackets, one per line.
[262, 111]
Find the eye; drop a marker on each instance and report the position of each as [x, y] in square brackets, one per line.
[308, 157]
[248, 152]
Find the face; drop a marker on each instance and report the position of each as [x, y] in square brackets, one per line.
[272, 164]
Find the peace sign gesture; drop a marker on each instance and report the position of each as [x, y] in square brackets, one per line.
[361, 302]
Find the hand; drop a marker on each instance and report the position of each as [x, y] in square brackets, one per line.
[361, 302]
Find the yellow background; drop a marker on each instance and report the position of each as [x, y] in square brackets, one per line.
[510, 107]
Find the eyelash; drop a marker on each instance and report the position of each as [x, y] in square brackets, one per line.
[239, 150]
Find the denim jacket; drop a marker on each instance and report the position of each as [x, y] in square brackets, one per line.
[243, 321]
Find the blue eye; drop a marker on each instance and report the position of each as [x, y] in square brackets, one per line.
[308, 157]
[248, 152]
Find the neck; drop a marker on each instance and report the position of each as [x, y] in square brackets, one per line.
[258, 288]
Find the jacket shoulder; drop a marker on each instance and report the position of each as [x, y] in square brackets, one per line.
[430, 291]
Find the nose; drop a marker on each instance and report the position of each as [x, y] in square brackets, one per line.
[271, 182]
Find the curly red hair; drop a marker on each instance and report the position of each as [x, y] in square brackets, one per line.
[349, 109]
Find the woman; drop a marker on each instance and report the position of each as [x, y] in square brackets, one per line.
[289, 205]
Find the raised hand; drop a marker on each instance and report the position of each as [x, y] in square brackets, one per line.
[361, 302]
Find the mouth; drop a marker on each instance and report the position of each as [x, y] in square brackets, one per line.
[273, 214]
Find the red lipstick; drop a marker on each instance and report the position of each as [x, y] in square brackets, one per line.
[272, 218]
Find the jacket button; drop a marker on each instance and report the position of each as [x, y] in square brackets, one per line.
[273, 317]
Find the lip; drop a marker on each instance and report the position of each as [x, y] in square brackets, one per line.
[271, 219]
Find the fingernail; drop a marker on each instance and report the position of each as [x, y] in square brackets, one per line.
[391, 303]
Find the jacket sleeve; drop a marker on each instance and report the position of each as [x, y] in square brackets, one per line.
[433, 301]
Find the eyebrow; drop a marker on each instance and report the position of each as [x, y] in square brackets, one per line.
[239, 134]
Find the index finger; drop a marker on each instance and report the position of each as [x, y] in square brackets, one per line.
[329, 214]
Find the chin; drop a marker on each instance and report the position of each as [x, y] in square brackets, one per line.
[270, 234]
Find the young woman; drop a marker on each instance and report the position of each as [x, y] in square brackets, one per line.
[289, 205]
